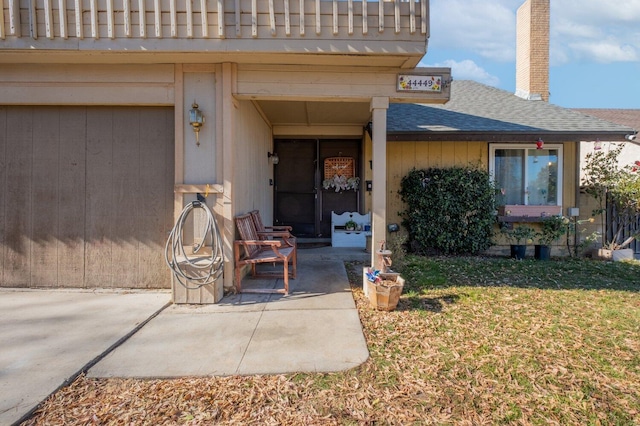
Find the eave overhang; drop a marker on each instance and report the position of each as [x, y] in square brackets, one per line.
[506, 137]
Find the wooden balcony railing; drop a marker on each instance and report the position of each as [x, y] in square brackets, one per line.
[64, 24]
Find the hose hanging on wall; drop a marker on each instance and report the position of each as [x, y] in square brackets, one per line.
[194, 271]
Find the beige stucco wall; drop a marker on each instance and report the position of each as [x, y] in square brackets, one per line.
[199, 160]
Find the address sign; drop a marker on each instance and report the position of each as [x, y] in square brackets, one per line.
[419, 83]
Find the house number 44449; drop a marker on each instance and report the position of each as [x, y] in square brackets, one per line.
[419, 83]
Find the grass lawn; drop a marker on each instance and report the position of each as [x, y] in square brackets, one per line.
[474, 341]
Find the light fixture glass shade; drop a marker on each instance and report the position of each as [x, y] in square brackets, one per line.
[195, 116]
[196, 119]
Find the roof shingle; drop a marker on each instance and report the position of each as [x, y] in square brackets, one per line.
[625, 117]
[478, 108]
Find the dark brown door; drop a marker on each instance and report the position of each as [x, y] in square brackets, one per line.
[300, 200]
[295, 186]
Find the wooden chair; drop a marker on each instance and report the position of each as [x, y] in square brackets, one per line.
[270, 232]
[250, 249]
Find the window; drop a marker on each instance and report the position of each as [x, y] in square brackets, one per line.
[527, 176]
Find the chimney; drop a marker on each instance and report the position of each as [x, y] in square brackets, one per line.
[532, 50]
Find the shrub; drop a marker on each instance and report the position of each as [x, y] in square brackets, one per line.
[519, 235]
[449, 210]
[551, 229]
[607, 182]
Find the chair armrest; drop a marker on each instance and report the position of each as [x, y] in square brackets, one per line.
[275, 234]
[279, 228]
[266, 243]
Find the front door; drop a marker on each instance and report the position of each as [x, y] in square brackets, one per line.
[299, 197]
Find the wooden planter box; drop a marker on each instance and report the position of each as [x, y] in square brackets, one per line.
[528, 211]
[384, 296]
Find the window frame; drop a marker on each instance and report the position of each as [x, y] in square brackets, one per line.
[522, 147]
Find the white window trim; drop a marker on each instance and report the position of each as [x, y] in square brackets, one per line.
[559, 147]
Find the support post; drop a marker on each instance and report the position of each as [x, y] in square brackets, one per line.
[379, 107]
[228, 88]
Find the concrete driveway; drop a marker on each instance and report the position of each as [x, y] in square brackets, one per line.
[48, 336]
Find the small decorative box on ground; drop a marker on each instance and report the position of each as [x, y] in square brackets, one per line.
[383, 295]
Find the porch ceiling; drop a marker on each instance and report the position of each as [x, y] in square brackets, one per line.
[304, 113]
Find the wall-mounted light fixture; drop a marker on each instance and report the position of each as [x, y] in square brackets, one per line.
[196, 119]
[369, 129]
[274, 157]
[539, 143]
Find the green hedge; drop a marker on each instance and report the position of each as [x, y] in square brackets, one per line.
[449, 210]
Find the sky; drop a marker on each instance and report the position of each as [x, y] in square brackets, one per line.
[594, 48]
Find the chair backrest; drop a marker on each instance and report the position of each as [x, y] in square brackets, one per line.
[247, 231]
[257, 220]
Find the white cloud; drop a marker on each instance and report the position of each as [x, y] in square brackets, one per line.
[487, 28]
[468, 70]
[598, 12]
[603, 31]
[605, 51]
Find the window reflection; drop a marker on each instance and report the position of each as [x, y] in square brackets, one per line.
[542, 182]
[527, 176]
[509, 173]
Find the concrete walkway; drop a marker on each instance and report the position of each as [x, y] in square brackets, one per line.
[47, 337]
[316, 328]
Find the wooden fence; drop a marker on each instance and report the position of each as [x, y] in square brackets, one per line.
[614, 223]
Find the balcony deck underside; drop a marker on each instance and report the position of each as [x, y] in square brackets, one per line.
[344, 53]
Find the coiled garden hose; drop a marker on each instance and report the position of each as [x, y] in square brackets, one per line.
[192, 270]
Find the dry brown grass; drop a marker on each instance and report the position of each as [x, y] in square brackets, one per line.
[475, 349]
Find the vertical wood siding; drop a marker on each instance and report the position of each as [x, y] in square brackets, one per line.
[253, 168]
[86, 196]
[404, 156]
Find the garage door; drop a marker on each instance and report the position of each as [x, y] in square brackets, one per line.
[86, 196]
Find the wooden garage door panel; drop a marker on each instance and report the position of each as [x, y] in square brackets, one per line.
[44, 199]
[87, 196]
[17, 206]
[71, 205]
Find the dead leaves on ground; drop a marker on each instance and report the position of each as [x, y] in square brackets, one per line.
[485, 356]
